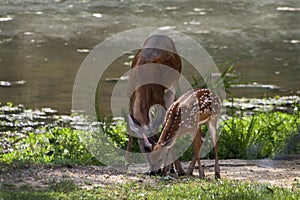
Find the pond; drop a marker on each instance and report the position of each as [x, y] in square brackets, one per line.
[43, 43]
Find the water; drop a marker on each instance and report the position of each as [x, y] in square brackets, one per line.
[42, 43]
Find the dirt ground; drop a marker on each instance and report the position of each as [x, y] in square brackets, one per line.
[281, 173]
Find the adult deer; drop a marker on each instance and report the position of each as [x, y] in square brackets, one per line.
[186, 115]
[152, 82]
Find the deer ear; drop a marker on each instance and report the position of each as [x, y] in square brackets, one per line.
[156, 116]
[133, 125]
[136, 127]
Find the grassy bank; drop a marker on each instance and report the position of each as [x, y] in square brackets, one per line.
[261, 135]
[160, 189]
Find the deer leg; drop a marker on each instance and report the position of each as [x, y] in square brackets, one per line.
[201, 170]
[191, 167]
[167, 164]
[212, 125]
[177, 163]
[165, 170]
[197, 143]
[127, 155]
[166, 167]
[172, 170]
[170, 162]
[179, 168]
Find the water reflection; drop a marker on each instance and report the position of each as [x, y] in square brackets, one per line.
[7, 18]
[287, 9]
[45, 43]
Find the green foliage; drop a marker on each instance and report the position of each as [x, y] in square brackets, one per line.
[160, 189]
[10, 104]
[226, 79]
[58, 145]
[258, 136]
[116, 132]
[292, 145]
[261, 135]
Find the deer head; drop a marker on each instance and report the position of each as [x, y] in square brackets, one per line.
[157, 155]
[156, 116]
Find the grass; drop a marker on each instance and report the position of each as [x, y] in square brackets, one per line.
[262, 135]
[185, 188]
[257, 136]
[273, 131]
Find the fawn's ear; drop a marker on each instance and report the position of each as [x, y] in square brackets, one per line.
[133, 125]
[156, 116]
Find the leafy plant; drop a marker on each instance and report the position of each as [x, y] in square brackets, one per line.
[259, 136]
[242, 136]
[226, 79]
[116, 131]
[58, 145]
[292, 145]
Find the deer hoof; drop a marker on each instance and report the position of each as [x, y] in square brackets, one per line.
[201, 175]
[172, 171]
[189, 172]
[155, 172]
[217, 175]
[181, 173]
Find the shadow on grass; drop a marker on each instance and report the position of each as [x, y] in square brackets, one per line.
[55, 190]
